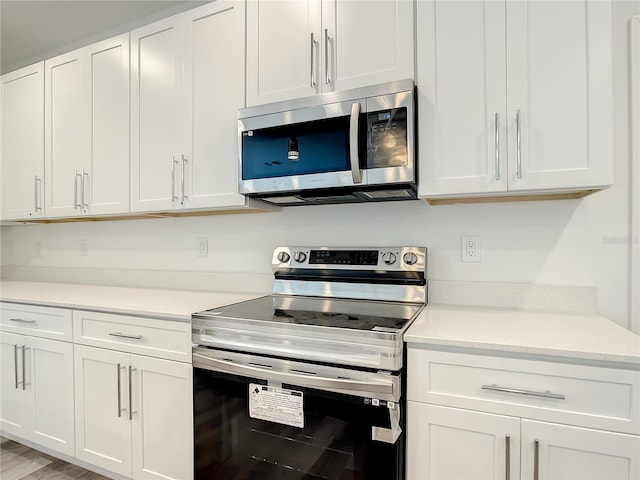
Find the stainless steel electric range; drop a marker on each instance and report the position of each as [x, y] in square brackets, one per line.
[308, 382]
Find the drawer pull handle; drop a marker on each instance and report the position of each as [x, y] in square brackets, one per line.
[124, 335]
[21, 320]
[547, 394]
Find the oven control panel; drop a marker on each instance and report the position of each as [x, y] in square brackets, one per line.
[351, 258]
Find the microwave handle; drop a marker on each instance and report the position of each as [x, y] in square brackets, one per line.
[353, 143]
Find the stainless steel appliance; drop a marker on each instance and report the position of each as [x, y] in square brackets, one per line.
[308, 382]
[349, 146]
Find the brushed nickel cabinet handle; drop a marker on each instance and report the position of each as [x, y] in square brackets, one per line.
[530, 393]
[326, 56]
[183, 196]
[75, 190]
[119, 394]
[24, 368]
[507, 474]
[173, 178]
[313, 77]
[38, 185]
[497, 146]
[124, 335]
[519, 145]
[84, 174]
[15, 364]
[130, 394]
[536, 459]
[21, 320]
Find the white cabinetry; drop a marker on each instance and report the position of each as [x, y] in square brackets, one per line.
[134, 413]
[472, 417]
[300, 48]
[187, 86]
[37, 377]
[22, 142]
[87, 130]
[514, 97]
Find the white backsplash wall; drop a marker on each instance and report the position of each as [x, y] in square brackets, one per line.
[565, 242]
[552, 242]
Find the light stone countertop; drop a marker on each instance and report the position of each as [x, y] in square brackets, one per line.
[161, 304]
[581, 337]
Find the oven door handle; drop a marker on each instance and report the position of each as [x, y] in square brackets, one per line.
[208, 363]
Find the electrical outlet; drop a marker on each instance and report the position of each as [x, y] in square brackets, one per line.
[84, 248]
[203, 247]
[470, 248]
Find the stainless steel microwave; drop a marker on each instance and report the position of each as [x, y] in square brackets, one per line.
[339, 147]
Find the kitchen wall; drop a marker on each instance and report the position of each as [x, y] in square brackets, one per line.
[568, 242]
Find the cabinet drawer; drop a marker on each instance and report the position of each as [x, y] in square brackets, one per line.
[46, 322]
[145, 336]
[596, 397]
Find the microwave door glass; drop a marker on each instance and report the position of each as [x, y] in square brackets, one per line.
[321, 146]
[387, 138]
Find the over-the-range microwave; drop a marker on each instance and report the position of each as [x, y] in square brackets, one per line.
[340, 147]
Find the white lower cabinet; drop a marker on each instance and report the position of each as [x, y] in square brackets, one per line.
[451, 443]
[457, 429]
[566, 452]
[37, 391]
[454, 443]
[134, 413]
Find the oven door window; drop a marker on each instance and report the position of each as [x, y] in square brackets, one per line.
[335, 443]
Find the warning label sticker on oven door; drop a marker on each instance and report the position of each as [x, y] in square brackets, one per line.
[276, 405]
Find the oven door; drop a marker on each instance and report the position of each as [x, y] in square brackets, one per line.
[323, 422]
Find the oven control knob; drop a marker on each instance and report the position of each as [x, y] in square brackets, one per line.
[410, 258]
[299, 256]
[283, 257]
[389, 258]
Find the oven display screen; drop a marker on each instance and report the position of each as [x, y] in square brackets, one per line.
[343, 257]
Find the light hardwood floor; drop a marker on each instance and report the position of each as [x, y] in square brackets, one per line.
[18, 462]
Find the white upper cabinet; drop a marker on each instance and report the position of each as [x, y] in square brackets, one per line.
[559, 73]
[213, 93]
[187, 87]
[366, 42]
[156, 82]
[87, 130]
[514, 97]
[283, 49]
[22, 142]
[300, 48]
[107, 190]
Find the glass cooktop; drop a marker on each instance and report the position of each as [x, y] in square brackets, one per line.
[338, 313]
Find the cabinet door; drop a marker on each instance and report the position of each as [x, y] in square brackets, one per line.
[22, 142]
[13, 395]
[156, 90]
[461, 444]
[213, 93]
[107, 183]
[103, 428]
[162, 419]
[366, 42]
[559, 74]
[283, 49]
[66, 134]
[50, 394]
[578, 453]
[461, 97]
